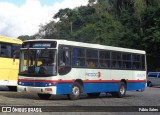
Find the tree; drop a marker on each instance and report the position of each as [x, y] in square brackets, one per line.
[123, 23]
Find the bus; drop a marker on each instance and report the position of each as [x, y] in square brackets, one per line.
[9, 61]
[61, 67]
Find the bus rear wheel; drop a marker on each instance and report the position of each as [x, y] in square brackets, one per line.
[76, 91]
[93, 95]
[121, 91]
[44, 96]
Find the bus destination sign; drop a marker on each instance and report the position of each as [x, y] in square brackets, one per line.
[41, 45]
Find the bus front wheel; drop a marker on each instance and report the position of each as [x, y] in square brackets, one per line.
[76, 91]
[44, 96]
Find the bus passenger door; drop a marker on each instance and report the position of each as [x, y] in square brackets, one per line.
[4, 70]
[13, 77]
[5, 63]
[64, 60]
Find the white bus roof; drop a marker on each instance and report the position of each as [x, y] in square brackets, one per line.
[90, 45]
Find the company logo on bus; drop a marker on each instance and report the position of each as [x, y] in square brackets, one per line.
[93, 74]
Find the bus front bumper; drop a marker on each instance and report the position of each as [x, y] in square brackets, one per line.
[45, 90]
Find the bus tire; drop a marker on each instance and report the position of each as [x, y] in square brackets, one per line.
[93, 95]
[76, 91]
[12, 88]
[44, 96]
[121, 91]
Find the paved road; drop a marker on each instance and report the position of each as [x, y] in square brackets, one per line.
[150, 97]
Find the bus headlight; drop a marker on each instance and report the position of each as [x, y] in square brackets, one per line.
[19, 83]
[50, 84]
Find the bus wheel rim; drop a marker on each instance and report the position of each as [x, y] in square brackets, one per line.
[76, 91]
[122, 90]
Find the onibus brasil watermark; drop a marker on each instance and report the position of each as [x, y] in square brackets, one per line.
[148, 109]
[21, 109]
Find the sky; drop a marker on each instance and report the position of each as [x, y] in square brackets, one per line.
[23, 17]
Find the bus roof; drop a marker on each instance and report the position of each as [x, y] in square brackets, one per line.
[90, 45]
[10, 40]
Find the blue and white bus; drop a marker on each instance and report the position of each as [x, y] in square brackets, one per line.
[54, 67]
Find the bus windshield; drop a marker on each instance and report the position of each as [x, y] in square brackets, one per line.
[38, 62]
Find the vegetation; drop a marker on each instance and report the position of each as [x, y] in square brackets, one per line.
[123, 23]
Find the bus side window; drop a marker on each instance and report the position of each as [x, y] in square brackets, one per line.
[104, 59]
[136, 62]
[5, 50]
[92, 58]
[116, 60]
[78, 58]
